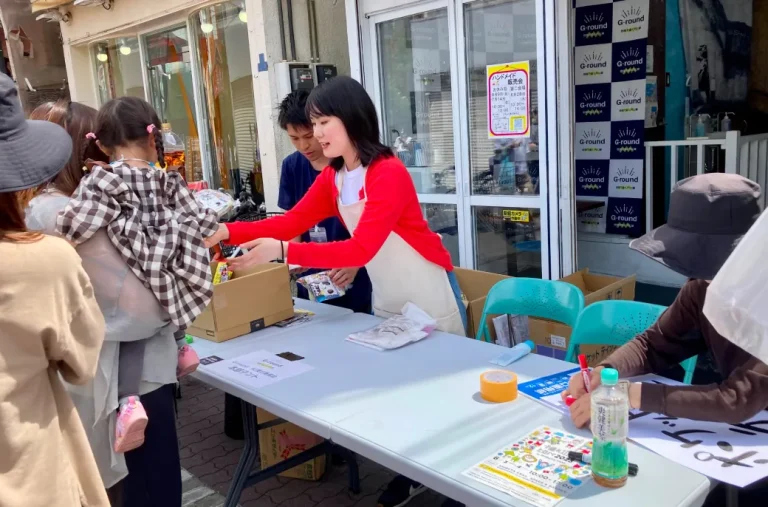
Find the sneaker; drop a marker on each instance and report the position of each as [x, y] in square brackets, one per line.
[131, 422]
[400, 491]
[188, 361]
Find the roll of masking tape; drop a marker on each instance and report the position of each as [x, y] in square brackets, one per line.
[498, 386]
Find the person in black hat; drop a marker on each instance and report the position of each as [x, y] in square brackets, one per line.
[708, 215]
[50, 327]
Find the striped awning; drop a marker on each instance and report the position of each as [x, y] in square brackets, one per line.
[43, 5]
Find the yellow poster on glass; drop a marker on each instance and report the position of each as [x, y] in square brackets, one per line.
[509, 100]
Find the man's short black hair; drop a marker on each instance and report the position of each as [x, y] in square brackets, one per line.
[292, 110]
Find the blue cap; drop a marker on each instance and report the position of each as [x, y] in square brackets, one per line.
[530, 344]
[609, 377]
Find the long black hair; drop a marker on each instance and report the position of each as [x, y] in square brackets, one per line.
[127, 119]
[347, 100]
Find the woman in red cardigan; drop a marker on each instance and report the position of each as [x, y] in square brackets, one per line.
[372, 193]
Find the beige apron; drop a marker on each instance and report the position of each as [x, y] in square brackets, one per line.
[400, 274]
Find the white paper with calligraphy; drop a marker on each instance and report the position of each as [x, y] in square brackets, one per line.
[509, 100]
[536, 468]
[736, 454]
[255, 370]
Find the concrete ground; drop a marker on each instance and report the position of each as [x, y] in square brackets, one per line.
[208, 458]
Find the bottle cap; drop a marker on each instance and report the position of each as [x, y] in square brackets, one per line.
[530, 344]
[609, 377]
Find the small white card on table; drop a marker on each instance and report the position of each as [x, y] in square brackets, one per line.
[255, 370]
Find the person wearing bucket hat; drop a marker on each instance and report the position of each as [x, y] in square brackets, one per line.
[51, 328]
[708, 215]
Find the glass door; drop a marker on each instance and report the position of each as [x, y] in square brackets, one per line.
[482, 183]
[415, 86]
[171, 93]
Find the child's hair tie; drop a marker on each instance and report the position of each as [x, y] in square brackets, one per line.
[151, 128]
[90, 135]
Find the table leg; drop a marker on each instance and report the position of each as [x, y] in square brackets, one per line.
[247, 458]
[354, 470]
[731, 496]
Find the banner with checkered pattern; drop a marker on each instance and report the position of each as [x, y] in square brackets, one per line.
[609, 135]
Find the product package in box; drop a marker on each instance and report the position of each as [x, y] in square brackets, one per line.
[282, 441]
[552, 338]
[475, 286]
[250, 300]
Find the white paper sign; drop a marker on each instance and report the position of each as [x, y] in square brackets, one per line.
[509, 100]
[593, 64]
[630, 20]
[733, 453]
[626, 179]
[628, 100]
[255, 370]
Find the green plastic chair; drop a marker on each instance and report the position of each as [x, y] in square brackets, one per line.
[616, 323]
[545, 299]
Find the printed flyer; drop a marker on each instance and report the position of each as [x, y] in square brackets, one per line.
[536, 468]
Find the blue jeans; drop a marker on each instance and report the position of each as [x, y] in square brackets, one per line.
[457, 294]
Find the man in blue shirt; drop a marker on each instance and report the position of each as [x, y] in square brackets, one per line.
[299, 171]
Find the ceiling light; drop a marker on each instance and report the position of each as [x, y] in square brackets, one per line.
[102, 57]
[206, 27]
[243, 16]
[125, 50]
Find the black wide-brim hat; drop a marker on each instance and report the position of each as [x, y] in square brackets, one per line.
[31, 152]
[708, 216]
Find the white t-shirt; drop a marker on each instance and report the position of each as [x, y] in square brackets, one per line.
[353, 183]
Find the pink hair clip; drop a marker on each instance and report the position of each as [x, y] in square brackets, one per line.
[90, 135]
[151, 128]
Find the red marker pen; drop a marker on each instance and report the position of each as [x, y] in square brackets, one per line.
[584, 371]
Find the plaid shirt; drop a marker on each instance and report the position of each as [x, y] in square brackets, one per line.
[157, 226]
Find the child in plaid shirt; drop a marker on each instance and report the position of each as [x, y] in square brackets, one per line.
[153, 220]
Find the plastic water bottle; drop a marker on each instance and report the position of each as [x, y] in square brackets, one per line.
[609, 424]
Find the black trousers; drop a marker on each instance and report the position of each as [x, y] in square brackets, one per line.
[154, 469]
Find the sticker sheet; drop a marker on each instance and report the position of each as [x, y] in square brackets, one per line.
[535, 468]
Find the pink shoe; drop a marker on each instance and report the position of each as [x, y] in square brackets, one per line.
[188, 361]
[131, 422]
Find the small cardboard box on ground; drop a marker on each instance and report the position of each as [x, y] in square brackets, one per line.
[282, 441]
[253, 299]
[551, 338]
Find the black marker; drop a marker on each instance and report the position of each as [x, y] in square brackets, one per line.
[587, 458]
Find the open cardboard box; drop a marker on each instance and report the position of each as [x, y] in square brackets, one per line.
[552, 338]
[253, 299]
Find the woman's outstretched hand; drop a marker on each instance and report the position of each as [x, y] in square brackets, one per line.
[258, 251]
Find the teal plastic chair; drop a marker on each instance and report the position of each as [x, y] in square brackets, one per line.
[545, 299]
[616, 323]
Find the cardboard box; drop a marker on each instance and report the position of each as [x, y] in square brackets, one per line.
[475, 286]
[282, 441]
[252, 300]
[551, 338]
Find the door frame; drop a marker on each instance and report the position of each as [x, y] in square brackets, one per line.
[552, 103]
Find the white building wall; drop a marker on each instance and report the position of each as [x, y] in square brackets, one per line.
[129, 18]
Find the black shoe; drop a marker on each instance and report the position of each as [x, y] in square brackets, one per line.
[452, 503]
[400, 491]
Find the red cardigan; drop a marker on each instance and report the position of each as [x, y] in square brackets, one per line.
[392, 206]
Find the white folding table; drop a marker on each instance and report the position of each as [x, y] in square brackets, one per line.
[417, 411]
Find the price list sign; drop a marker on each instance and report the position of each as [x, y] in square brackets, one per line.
[509, 100]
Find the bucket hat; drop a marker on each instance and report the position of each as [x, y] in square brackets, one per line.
[708, 215]
[31, 152]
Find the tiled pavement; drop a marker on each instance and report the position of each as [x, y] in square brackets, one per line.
[209, 457]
